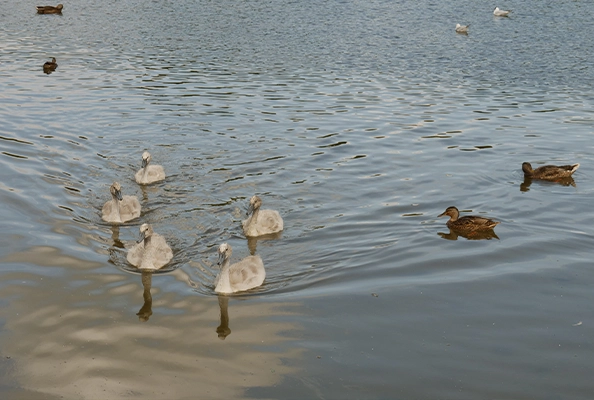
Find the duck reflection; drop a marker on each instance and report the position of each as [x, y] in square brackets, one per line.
[525, 186]
[253, 241]
[223, 329]
[146, 310]
[474, 235]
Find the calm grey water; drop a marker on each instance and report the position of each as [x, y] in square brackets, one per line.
[360, 122]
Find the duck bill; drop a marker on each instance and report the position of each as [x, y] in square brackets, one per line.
[441, 215]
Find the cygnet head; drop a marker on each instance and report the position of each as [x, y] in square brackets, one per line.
[145, 232]
[146, 159]
[224, 253]
[116, 191]
[255, 203]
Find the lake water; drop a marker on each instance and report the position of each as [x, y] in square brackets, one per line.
[360, 122]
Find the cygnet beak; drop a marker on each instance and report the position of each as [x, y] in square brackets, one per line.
[142, 236]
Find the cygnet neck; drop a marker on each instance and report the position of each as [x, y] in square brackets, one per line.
[116, 206]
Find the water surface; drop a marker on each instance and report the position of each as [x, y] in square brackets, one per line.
[359, 122]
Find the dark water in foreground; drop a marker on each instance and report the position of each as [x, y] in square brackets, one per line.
[359, 122]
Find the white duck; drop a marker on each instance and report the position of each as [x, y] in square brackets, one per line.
[151, 252]
[120, 208]
[501, 13]
[149, 173]
[261, 222]
[462, 28]
[243, 275]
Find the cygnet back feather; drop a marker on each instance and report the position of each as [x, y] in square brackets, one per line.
[243, 275]
[261, 222]
[149, 173]
[120, 208]
[151, 252]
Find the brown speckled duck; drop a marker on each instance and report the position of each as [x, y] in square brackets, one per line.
[468, 222]
[50, 9]
[549, 172]
[50, 66]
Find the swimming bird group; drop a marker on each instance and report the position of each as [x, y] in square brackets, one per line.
[497, 12]
[469, 225]
[151, 252]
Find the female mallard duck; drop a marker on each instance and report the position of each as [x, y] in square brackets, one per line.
[151, 252]
[120, 208]
[50, 66]
[50, 9]
[549, 172]
[468, 222]
[261, 222]
[243, 275]
[149, 173]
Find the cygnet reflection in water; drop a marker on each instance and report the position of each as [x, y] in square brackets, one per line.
[243, 275]
[476, 235]
[261, 222]
[223, 329]
[120, 208]
[146, 310]
[253, 240]
[151, 252]
[149, 173]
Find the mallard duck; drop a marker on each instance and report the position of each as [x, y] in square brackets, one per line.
[151, 252]
[501, 13]
[261, 222]
[50, 66]
[462, 28]
[243, 275]
[149, 173]
[468, 222]
[549, 172]
[50, 9]
[120, 208]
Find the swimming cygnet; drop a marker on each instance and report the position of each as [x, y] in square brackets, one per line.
[151, 252]
[501, 13]
[462, 28]
[120, 208]
[243, 275]
[149, 173]
[261, 222]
